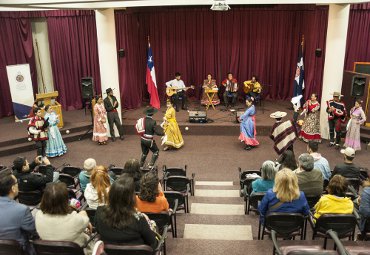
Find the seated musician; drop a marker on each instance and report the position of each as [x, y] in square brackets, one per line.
[231, 90]
[179, 91]
[209, 83]
[252, 88]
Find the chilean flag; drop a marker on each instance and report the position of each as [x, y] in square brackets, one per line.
[151, 80]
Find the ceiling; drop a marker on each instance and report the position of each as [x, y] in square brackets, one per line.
[19, 5]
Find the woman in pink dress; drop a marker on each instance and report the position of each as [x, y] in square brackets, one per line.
[353, 128]
[311, 126]
[100, 118]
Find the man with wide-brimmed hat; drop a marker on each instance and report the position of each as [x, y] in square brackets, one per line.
[336, 116]
[111, 105]
[283, 133]
[147, 138]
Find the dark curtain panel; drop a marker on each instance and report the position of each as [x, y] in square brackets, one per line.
[74, 54]
[15, 48]
[358, 36]
[196, 41]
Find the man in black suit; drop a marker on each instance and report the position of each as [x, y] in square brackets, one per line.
[111, 105]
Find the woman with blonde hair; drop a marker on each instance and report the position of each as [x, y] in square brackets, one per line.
[285, 196]
[96, 192]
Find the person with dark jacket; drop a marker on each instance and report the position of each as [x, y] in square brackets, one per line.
[111, 105]
[29, 181]
[347, 169]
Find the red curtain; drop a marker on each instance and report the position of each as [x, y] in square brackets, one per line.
[15, 48]
[196, 41]
[358, 36]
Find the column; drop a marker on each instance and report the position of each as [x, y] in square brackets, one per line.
[334, 58]
[106, 33]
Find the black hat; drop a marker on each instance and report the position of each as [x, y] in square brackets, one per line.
[18, 163]
[150, 111]
[108, 90]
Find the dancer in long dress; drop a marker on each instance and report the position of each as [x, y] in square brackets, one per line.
[209, 83]
[311, 126]
[100, 118]
[248, 126]
[173, 137]
[54, 145]
[353, 128]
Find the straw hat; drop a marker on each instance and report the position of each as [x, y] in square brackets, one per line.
[278, 115]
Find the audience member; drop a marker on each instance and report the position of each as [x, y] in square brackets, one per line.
[364, 200]
[310, 180]
[16, 221]
[268, 175]
[132, 167]
[151, 198]
[284, 197]
[84, 176]
[287, 160]
[29, 181]
[335, 201]
[347, 169]
[118, 221]
[56, 221]
[320, 162]
[96, 192]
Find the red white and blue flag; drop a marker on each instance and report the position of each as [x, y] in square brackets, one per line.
[151, 80]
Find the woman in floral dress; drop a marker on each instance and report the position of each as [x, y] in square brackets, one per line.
[311, 126]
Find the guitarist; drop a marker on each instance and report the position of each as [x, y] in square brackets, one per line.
[179, 85]
[252, 88]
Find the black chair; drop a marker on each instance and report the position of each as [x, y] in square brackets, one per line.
[44, 247]
[312, 200]
[153, 169]
[30, 198]
[343, 224]
[170, 171]
[70, 181]
[181, 184]
[243, 180]
[162, 220]
[10, 247]
[252, 201]
[365, 233]
[286, 225]
[117, 170]
[355, 183]
[172, 196]
[347, 250]
[71, 170]
[298, 249]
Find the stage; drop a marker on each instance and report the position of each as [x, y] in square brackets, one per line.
[220, 122]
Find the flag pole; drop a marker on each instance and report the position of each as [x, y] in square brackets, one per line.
[302, 43]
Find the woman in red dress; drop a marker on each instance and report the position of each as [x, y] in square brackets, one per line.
[311, 126]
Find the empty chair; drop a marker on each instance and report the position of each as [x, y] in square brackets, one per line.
[312, 200]
[179, 171]
[347, 250]
[71, 170]
[10, 247]
[181, 184]
[30, 198]
[175, 195]
[243, 177]
[70, 181]
[117, 170]
[251, 201]
[44, 247]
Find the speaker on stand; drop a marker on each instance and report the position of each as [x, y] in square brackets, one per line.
[87, 93]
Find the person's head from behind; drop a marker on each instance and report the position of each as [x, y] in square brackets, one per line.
[348, 154]
[312, 147]
[132, 167]
[8, 184]
[100, 181]
[286, 185]
[287, 159]
[337, 186]
[55, 199]
[149, 187]
[268, 171]
[89, 165]
[20, 164]
[306, 162]
[121, 202]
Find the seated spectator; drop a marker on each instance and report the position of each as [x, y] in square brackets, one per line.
[310, 180]
[56, 221]
[364, 200]
[347, 169]
[84, 176]
[118, 221]
[151, 198]
[268, 175]
[96, 192]
[284, 197]
[335, 201]
[320, 162]
[132, 167]
[287, 160]
[16, 221]
[29, 181]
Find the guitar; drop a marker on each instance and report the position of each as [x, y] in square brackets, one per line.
[249, 86]
[171, 91]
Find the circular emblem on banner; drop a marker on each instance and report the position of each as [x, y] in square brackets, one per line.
[19, 78]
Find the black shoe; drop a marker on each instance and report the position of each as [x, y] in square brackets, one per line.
[121, 137]
[113, 139]
[248, 147]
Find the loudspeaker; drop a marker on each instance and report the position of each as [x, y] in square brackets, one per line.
[358, 86]
[87, 87]
[238, 114]
[121, 53]
[318, 52]
[197, 116]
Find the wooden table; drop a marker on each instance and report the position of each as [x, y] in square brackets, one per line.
[210, 95]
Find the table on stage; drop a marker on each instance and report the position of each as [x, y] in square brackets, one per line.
[210, 95]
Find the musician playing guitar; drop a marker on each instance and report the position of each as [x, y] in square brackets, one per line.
[176, 89]
[252, 88]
